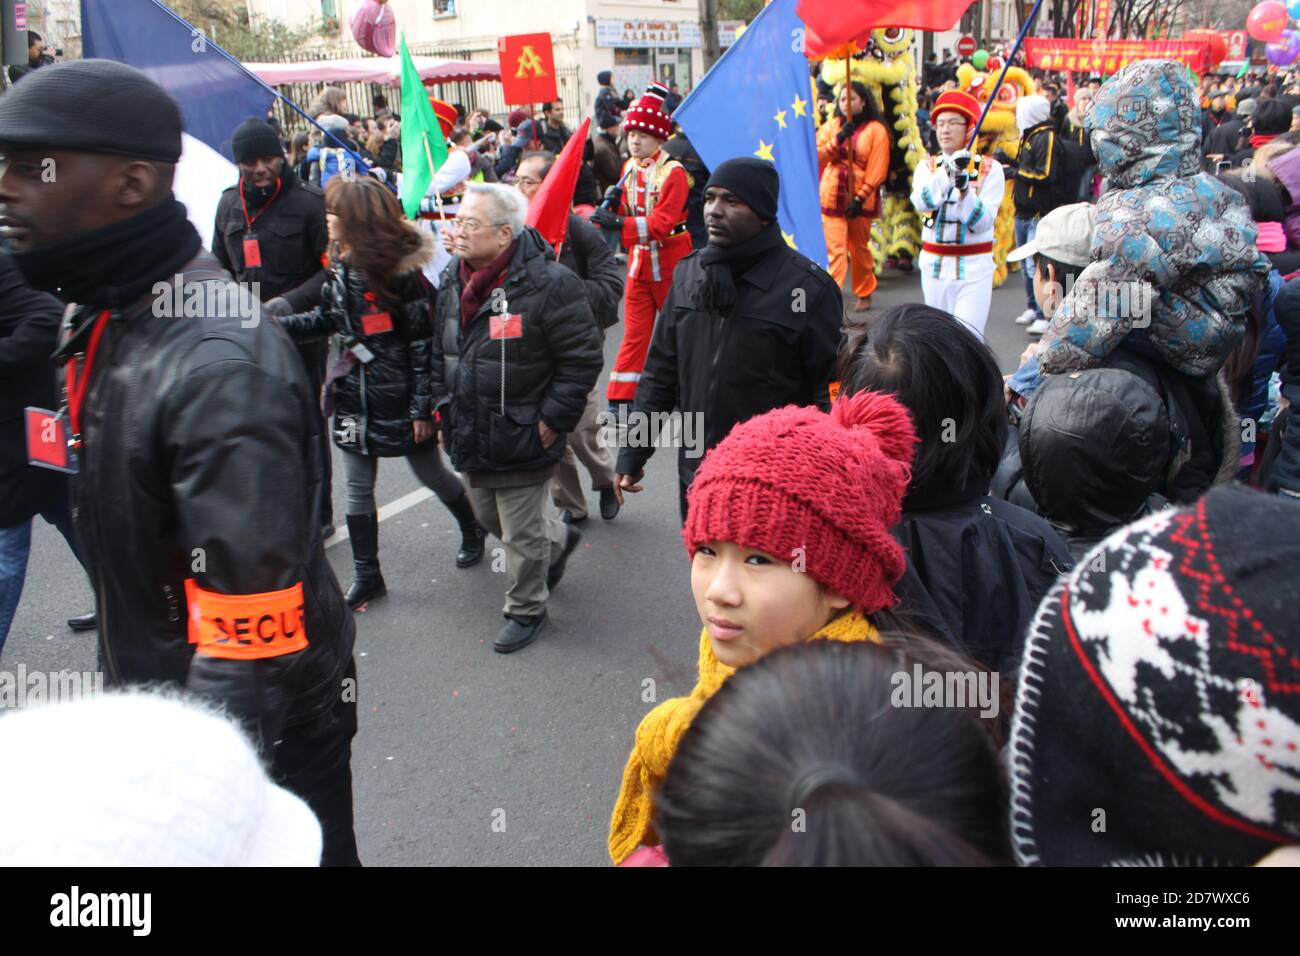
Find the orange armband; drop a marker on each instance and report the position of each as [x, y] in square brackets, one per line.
[246, 627]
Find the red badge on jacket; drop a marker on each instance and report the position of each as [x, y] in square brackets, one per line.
[506, 326]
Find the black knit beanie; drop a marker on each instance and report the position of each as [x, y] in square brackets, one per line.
[92, 106]
[1157, 720]
[253, 139]
[754, 180]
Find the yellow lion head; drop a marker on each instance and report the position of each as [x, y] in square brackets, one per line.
[886, 61]
[1002, 116]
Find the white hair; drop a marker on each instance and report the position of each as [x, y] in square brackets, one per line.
[509, 207]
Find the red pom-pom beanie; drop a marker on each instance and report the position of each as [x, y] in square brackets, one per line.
[800, 484]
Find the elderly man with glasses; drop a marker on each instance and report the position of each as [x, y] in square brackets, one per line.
[958, 194]
[516, 350]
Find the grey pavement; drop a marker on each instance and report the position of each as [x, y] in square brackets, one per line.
[464, 756]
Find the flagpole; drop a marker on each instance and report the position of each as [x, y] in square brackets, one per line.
[433, 173]
[1024, 31]
[268, 87]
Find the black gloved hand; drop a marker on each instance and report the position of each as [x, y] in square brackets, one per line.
[855, 208]
[607, 220]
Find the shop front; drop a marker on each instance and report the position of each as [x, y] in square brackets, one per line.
[646, 50]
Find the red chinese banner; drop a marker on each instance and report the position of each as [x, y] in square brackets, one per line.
[1101, 21]
[1236, 41]
[527, 68]
[1107, 56]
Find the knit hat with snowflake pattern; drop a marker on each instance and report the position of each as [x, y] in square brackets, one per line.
[819, 490]
[1157, 720]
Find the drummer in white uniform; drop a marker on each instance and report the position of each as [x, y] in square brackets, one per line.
[958, 195]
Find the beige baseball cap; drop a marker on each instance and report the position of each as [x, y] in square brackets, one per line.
[1064, 235]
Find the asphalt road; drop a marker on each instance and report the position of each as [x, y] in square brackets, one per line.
[464, 756]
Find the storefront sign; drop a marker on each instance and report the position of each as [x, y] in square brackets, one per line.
[648, 33]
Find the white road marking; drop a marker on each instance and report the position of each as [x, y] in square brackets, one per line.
[387, 511]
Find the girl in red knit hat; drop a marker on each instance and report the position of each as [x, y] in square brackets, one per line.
[789, 533]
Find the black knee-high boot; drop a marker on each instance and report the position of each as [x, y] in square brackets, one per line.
[472, 534]
[363, 533]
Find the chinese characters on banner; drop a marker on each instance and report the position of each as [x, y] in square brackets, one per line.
[1107, 56]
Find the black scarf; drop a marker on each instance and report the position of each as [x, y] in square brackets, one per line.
[114, 266]
[723, 263]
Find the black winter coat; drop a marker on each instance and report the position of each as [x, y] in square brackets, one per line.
[375, 403]
[29, 334]
[202, 465]
[291, 235]
[729, 368]
[586, 254]
[546, 371]
[976, 572]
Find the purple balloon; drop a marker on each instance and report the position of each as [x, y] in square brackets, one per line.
[1281, 54]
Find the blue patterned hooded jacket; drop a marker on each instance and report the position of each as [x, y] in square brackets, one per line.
[1173, 253]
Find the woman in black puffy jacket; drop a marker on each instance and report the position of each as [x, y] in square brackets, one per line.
[377, 301]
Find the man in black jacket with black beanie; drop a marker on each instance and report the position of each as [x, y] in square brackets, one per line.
[749, 325]
[194, 432]
[270, 229]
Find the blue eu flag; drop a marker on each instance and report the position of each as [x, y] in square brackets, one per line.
[756, 102]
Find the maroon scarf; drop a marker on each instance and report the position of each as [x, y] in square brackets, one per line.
[476, 286]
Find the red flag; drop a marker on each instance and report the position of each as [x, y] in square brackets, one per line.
[549, 210]
[833, 23]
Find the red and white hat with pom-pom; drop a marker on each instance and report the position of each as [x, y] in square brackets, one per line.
[796, 482]
[648, 115]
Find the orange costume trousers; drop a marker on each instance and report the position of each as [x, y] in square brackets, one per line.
[641, 303]
[848, 244]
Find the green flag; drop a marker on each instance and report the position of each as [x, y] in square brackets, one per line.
[424, 148]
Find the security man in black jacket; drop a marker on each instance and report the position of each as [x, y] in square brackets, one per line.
[194, 430]
[270, 229]
[749, 325]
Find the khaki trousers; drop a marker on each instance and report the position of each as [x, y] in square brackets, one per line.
[522, 518]
[583, 445]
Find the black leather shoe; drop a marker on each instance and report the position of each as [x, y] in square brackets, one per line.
[365, 589]
[567, 517]
[472, 534]
[608, 504]
[518, 633]
[87, 622]
[556, 571]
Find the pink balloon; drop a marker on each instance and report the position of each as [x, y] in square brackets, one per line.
[375, 27]
[1267, 21]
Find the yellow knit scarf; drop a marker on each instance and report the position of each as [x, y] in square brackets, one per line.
[662, 728]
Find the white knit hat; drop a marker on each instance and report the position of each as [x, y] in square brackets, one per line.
[142, 779]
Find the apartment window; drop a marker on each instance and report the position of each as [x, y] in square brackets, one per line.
[444, 8]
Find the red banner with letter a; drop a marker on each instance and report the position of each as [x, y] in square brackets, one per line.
[1107, 56]
[527, 68]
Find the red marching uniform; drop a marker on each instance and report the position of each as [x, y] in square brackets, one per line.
[653, 208]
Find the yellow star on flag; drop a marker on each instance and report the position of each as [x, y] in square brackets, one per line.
[780, 119]
[764, 151]
[798, 106]
[789, 239]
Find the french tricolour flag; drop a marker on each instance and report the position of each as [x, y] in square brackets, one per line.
[214, 92]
